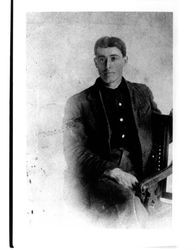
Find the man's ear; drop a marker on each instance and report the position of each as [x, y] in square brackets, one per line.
[125, 59]
[95, 61]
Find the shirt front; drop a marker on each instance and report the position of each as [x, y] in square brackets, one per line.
[124, 135]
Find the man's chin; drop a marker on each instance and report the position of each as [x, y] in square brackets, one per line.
[108, 80]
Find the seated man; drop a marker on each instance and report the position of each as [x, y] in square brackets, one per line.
[108, 132]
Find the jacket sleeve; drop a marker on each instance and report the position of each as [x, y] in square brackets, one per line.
[155, 111]
[152, 102]
[79, 156]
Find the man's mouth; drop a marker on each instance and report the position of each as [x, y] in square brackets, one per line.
[108, 73]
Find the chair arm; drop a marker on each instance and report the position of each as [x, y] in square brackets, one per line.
[146, 190]
[154, 179]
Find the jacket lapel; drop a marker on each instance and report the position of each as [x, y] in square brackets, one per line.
[99, 112]
[133, 104]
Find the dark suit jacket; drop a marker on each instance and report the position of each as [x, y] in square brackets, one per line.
[87, 132]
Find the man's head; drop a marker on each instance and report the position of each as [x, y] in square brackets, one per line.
[110, 59]
[108, 42]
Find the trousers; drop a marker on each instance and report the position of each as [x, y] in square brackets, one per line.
[111, 197]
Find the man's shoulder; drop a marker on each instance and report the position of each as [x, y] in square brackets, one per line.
[136, 85]
[139, 88]
[81, 96]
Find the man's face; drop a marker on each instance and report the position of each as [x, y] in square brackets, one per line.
[110, 63]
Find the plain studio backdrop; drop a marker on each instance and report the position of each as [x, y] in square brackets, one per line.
[59, 49]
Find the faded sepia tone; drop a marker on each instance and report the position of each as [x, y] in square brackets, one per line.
[60, 64]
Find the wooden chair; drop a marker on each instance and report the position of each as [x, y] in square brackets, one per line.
[153, 187]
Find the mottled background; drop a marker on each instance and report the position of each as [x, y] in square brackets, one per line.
[60, 63]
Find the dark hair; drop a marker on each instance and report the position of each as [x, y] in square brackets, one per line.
[106, 41]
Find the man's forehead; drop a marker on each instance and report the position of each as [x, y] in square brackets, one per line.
[108, 51]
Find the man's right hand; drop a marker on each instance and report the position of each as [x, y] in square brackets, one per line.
[127, 180]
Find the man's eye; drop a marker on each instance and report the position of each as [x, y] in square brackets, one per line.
[101, 60]
[113, 58]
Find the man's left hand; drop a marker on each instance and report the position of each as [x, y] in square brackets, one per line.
[127, 180]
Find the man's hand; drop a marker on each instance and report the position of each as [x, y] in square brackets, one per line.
[127, 180]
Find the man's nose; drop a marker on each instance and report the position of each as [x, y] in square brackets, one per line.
[108, 63]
